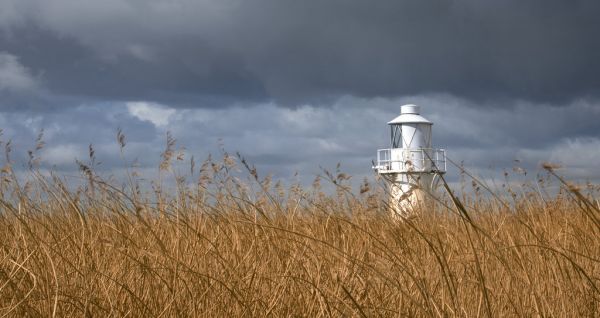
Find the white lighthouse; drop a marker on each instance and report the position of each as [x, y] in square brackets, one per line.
[410, 165]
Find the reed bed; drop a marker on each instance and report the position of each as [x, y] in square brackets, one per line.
[224, 242]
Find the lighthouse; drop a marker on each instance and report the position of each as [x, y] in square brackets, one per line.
[410, 165]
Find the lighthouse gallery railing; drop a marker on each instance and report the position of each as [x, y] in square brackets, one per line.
[411, 160]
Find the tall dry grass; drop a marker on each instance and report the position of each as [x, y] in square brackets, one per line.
[219, 245]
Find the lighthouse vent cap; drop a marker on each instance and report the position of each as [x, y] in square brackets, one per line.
[409, 109]
[409, 114]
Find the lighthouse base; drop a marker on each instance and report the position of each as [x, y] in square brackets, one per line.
[411, 194]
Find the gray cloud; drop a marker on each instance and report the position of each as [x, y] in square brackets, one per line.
[199, 53]
[283, 141]
[14, 76]
[501, 80]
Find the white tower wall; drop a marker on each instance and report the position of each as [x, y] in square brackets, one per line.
[410, 192]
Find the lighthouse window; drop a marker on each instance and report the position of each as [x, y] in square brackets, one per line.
[396, 136]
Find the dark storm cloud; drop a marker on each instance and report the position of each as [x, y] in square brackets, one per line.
[70, 68]
[201, 53]
[540, 50]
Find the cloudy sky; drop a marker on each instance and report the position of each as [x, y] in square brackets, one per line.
[294, 85]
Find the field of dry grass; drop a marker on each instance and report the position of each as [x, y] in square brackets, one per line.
[221, 245]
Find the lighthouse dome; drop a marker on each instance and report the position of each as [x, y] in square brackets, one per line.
[409, 114]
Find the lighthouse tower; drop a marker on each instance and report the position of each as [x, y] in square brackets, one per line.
[410, 165]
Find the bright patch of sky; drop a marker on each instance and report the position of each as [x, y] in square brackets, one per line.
[155, 113]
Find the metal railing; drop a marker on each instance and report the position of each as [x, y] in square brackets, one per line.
[411, 160]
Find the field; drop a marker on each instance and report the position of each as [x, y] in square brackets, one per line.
[224, 242]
